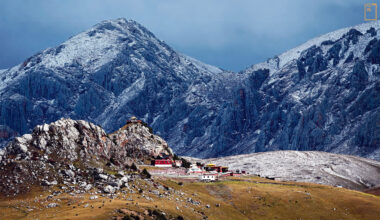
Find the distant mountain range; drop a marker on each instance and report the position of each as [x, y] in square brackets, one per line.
[322, 95]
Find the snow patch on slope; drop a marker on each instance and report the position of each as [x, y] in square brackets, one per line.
[307, 166]
[92, 48]
[201, 66]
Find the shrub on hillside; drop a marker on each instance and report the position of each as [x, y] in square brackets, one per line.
[145, 174]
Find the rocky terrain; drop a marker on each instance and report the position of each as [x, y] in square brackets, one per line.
[307, 166]
[77, 156]
[322, 95]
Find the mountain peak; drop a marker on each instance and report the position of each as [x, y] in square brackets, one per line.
[99, 45]
[121, 25]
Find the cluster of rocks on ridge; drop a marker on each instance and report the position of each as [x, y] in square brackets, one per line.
[77, 156]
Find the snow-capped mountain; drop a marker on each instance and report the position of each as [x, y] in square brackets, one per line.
[322, 95]
[106, 74]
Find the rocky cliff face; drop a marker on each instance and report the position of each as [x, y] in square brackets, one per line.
[322, 95]
[70, 152]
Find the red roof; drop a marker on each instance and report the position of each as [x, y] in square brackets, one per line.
[163, 162]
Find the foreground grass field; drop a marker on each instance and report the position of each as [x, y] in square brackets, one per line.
[232, 198]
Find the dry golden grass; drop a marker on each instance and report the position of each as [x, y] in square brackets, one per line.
[239, 198]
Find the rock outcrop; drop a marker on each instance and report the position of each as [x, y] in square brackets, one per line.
[76, 152]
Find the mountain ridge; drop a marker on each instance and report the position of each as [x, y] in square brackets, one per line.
[292, 53]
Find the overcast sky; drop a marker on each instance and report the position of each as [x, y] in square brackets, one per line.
[231, 34]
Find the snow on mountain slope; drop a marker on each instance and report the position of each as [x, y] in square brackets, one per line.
[315, 97]
[200, 65]
[293, 54]
[307, 166]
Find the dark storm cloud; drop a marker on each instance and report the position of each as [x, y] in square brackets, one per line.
[231, 34]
